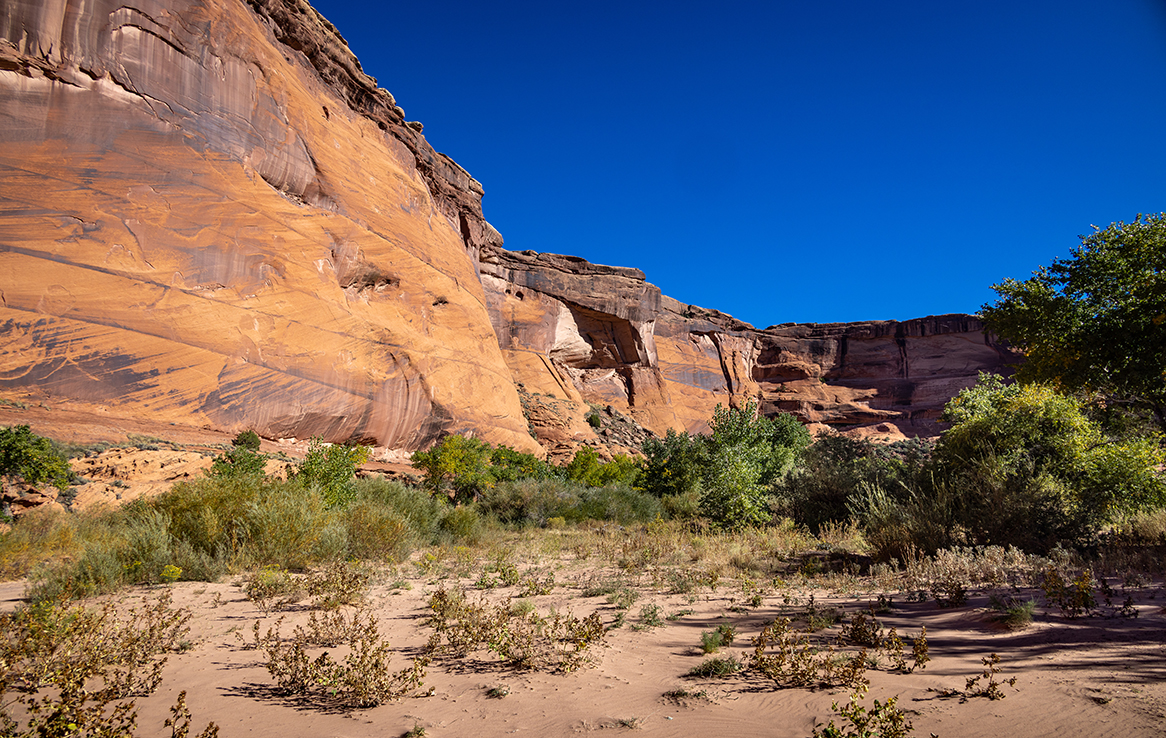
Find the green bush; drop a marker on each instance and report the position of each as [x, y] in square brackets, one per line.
[673, 465]
[836, 470]
[27, 456]
[331, 468]
[285, 525]
[1021, 465]
[587, 468]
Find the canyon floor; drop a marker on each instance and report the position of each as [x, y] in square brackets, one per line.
[1098, 675]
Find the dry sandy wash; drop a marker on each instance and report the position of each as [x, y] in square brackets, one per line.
[1101, 675]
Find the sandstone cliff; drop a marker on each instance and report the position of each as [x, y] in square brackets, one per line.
[211, 216]
[596, 334]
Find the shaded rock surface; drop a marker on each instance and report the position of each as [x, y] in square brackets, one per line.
[586, 333]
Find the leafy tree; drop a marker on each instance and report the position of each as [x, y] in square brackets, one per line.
[1096, 321]
[673, 465]
[587, 468]
[456, 466]
[247, 439]
[508, 465]
[332, 469]
[25, 455]
[746, 454]
[242, 460]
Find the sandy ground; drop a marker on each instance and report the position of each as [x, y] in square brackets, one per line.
[1093, 676]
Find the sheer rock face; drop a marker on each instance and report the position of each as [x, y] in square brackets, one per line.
[603, 335]
[210, 214]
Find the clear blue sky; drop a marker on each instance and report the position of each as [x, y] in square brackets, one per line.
[809, 161]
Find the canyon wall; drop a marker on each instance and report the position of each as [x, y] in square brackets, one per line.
[210, 215]
[600, 335]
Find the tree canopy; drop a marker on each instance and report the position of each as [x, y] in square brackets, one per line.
[1096, 321]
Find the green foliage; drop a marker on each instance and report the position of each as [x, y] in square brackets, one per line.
[506, 464]
[457, 466]
[1021, 465]
[586, 468]
[243, 460]
[673, 465]
[331, 469]
[836, 471]
[247, 439]
[882, 720]
[25, 455]
[1030, 447]
[746, 453]
[533, 502]
[1095, 321]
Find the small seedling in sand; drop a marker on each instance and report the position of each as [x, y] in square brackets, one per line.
[678, 614]
[417, 731]
[650, 617]
[497, 693]
[990, 689]
[1012, 612]
[720, 666]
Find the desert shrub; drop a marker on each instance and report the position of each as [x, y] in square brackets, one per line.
[621, 504]
[73, 671]
[462, 524]
[882, 720]
[1021, 465]
[423, 511]
[362, 679]
[148, 547]
[378, 532]
[27, 456]
[821, 489]
[210, 514]
[717, 666]
[520, 636]
[284, 525]
[41, 534]
[330, 468]
[1033, 462]
[530, 501]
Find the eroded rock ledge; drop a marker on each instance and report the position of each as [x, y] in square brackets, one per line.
[605, 335]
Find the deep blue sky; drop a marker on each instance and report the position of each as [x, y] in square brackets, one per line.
[809, 161]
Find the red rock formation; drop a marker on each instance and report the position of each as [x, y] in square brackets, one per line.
[598, 334]
[210, 214]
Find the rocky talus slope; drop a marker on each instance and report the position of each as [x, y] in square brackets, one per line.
[210, 216]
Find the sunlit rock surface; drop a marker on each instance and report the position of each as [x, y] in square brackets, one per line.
[208, 213]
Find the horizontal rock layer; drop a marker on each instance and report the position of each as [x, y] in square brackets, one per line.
[605, 335]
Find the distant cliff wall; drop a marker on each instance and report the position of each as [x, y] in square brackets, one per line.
[604, 335]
